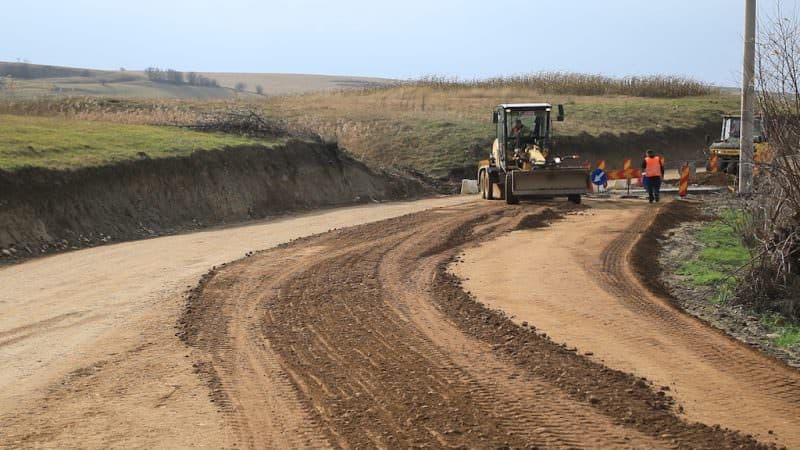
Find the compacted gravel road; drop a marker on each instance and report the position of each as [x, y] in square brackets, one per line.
[365, 337]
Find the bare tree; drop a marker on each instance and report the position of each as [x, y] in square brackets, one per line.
[260, 90]
[774, 279]
[240, 86]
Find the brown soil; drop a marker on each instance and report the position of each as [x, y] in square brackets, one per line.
[44, 211]
[360, 337]
[581, 284]
[712, 179]
[644, 264]
[88, 352]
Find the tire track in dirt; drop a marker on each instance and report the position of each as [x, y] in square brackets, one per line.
[526, 406]
[242, 369]
[383, 349]
[764, 388]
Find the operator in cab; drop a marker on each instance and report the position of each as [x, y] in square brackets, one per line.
[654, 172]
[519, 130]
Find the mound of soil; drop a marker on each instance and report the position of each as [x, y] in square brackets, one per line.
[48, 210]
[676, 144]
[713, 179]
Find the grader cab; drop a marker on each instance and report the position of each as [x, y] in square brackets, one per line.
[523, 164]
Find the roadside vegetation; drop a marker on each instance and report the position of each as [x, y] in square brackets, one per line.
[720, 270]
[436, 125]
[750, 258]
[63, 143]
[773, 281]
[438, 129]
[661, 86]
[720, 263]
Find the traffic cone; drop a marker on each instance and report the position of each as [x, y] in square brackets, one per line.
[683, 189]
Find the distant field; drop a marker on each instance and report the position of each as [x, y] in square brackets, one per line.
[435, 125]
[436, 130]
[30, 80]
[288, 83]
[68, 144]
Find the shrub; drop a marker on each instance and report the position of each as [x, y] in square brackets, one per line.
[774, 279]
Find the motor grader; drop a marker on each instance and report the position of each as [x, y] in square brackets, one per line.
[523, 164]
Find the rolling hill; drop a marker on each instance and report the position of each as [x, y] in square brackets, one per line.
[24, 80]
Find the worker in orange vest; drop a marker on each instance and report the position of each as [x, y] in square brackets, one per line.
[654, 171]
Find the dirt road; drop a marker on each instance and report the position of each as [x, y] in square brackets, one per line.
[584, 293]
[355, 338]
[360, 338]
[88, 355]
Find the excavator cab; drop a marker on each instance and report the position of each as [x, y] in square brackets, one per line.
[726, 149]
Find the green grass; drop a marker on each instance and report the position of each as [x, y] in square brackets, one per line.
[68, 144]
[788, 333]
[434, 130]
[723, 254]
[716, 265]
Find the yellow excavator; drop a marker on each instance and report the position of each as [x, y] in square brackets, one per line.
[522, 163]
[726, 149]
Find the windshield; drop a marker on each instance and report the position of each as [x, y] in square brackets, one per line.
[528, 124]
[732, 128]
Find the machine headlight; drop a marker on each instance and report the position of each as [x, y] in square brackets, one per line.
[557, 160]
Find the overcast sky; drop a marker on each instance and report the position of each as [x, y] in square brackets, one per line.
[396, 39]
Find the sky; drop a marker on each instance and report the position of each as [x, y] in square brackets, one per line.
[397, 39]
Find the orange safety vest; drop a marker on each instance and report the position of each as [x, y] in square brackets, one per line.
[653, 168]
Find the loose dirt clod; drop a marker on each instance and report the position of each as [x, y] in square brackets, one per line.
[373, 343]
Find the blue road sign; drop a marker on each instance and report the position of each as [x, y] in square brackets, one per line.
[599, 177]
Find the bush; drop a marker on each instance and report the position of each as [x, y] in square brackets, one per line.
[774, 279]
[240, 87]
[175, 77]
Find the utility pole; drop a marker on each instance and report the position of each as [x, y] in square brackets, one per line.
[748, 92]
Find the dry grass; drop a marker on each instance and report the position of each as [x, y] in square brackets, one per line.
[436, 129]
[425, 127]
[657, 86]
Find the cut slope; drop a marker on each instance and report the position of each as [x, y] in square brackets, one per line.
[45, 210]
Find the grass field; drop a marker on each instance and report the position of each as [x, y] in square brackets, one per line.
[435, 125]
[60, 143]
[420, 127]
[436, 129]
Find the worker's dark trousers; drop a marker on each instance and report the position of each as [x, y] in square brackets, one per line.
[653, 188]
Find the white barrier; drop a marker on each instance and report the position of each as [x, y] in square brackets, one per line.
[469, 187]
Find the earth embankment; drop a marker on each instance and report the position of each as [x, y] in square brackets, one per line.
[49, 210]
